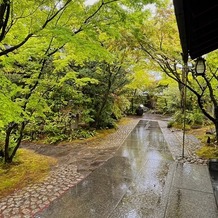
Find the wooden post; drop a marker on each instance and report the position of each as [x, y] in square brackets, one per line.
[184, 80]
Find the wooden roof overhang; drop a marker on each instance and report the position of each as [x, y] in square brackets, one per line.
[198, 26]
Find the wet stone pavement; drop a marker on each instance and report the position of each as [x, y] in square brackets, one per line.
[128, 184]
[143, 178]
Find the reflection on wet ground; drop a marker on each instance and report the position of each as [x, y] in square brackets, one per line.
[149, 158]
[131, 184]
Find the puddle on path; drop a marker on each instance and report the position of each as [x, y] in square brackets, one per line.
[130, 184]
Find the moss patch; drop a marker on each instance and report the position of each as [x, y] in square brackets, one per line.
[125, 121]
[200, 133]
[208, 152]
[28, 167]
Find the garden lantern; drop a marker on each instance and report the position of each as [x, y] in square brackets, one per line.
[200, 66]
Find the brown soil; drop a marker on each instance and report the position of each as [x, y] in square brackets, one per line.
[87, 154]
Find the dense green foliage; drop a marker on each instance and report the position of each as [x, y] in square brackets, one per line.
[69, 68]
[63, 64]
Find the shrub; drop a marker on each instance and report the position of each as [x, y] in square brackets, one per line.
[193, 118]
[82, 133]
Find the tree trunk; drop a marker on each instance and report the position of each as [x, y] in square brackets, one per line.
[4, 17]
[216, 129]
[99, 112]
[11, 126]
[216, 121]
[104, 100]
[18, 142]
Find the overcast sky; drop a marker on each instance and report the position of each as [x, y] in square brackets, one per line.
[151, 7]
[90, 2]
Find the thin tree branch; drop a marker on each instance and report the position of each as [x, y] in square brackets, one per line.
[212, 96]
[4, 17]
[31, 34]
[86, 21]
